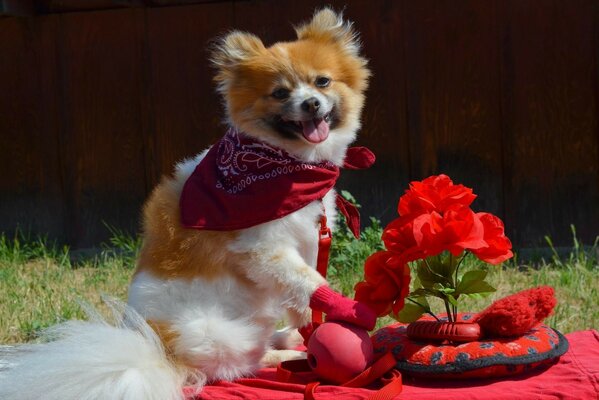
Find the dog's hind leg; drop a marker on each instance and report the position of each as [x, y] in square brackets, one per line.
[286, 339]
[221, 348]
[272, 358]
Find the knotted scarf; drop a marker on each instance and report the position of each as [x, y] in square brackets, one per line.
[242, 182]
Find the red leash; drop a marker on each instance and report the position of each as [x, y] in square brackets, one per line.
[325, 239]
[299, 371]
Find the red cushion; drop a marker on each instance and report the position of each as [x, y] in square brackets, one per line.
[483, 358]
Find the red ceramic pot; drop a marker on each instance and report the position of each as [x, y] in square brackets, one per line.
[451, 331]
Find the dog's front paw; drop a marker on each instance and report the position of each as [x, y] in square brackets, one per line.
[339, 308]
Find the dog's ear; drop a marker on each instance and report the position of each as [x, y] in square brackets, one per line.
[232, 49]
[327, 25]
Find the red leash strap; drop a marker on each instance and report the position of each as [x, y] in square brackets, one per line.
[322, 260]
[299, 372]
[374, 372]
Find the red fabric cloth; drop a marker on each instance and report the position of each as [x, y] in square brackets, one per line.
[242, 182]
[574, 377]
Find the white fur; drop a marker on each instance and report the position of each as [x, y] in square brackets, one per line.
[94, 360]
[221, 326]
[304, 92]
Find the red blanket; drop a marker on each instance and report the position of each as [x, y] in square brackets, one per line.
[575, 377]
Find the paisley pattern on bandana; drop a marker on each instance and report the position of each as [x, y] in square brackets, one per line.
[242, 161]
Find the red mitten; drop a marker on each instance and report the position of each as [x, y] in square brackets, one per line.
[516, 314]
[340, 308]
[542, 299]
[510, 316]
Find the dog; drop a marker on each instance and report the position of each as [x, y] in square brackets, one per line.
[219, 268]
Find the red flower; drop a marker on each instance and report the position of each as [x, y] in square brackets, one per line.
[399, 238]
[435, 193]
[455, 231]
[498, 246]
[386, 283]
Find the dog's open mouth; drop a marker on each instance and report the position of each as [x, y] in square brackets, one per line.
[314, 130]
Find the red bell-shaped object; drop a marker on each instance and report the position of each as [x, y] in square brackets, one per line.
[338, 352]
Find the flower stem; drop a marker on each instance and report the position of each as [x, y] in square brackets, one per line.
[426, 309]
[449, 315]
[457, 269]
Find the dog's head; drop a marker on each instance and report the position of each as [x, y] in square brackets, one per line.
[304, 96]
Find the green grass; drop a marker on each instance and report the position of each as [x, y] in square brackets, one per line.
[40, 285]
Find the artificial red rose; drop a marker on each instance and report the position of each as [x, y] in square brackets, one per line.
[398, 237]
[435, 193]
[455, 231]
[498, 246]
[386, 283]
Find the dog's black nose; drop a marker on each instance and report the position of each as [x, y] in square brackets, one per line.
[311, 105]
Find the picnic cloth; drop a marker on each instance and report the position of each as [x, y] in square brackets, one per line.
[575, 377]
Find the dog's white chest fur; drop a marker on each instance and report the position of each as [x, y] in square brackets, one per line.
[156, 298]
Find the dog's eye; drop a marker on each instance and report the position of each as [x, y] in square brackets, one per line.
[280, 93]
[322, 81]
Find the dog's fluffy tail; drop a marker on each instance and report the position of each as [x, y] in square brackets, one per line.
[95, 360]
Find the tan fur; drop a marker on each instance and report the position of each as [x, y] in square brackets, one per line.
[167, 336]
[171, 251]
[288, 64]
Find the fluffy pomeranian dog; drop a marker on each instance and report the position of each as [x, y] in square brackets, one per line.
[205, 301]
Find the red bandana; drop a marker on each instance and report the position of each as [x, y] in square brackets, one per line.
[242, 182]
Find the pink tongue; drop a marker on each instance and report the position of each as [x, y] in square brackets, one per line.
[315, 131]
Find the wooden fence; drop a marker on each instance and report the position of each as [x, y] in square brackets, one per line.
[502, 95]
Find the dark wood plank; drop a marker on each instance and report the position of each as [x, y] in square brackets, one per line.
[17, 7]
[103, 147]
[384, 130]
[30, 182]
[60, 6]
[453, 92]
[186, 111]
[179, 2]
[549, 71]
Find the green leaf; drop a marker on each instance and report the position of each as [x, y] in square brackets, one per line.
[412, 312]
[444, 264]
[446, 290]
[452, 300]
[476, 286]
[478, 296]
[428, 277]
[470, 278]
